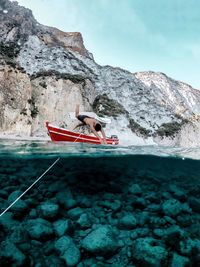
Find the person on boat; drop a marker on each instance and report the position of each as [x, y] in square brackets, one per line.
[94, 125]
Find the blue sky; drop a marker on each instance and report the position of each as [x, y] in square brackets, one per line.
[137, 35]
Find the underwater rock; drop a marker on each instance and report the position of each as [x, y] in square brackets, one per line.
[19, 235]
[84, 221]
[48, 210]
[10, 253]
[84, 202]
[91, 262]
[172, 235]
[114, 205]
[31, 202]
[7, 222]
[83, 233]
[135, 189]
[185, 220]
[101, 241]
[3, 194]
[143, 218]
[138, 203]
[179, 261]
[127, 222]
[37, 244]
[139, 232]
[153, 197]
[20, 207]
[147, 253]
[55, 187]
[121, 259]
[14, 195]
[177, 192]
[75, 213]
[66, 199]
[194, 229]
[166, 195]
[39, 229]
[169, 220]
[156, 221]
[48, 247]
[189, 247]
[33, 214]
[172, 207]
[3, 203]
[68, 250]
[52, 261]
[62, 227]
[25, 247]
[154, 208]
[194, 204]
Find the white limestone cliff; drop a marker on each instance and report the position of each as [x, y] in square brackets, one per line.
[46, 72]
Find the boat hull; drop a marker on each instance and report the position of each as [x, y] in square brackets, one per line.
[62, 135]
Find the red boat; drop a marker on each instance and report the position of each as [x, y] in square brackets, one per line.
[63, 135]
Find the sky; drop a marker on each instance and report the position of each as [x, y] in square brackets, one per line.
[136, 35]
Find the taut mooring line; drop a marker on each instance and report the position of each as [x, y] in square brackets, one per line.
[29, 187]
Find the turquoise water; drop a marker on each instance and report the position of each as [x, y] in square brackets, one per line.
[99, 205]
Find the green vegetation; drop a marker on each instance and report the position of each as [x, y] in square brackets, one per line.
[33, 108]
[137, 128]
[43, 84]
[74, 78]
[34, 112]
[24, 111]
[9, 50]
[103, 105]
[170, 129]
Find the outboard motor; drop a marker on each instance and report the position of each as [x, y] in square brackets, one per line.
[114, 137]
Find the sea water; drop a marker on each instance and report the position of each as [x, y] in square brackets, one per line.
[99, 205]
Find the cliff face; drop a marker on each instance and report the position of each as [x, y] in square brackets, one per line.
[46, 72]
[18, 23]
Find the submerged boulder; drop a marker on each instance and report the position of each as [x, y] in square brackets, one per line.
[62, 226]
[39, 229]
[68, 251]
[128, 221]
[147, 253]
[75, 213]
[179, 261]
[114, 205]
[48, 210]
[84, 221]
[66, 199]
[11, 254]
[7, 222]
[172, 207]
[101, 241]
[194, 204]
[20, 207]
[135, 189]
[178, 192]
[189, 247]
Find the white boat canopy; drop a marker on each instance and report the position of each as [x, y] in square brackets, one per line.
[93, 115]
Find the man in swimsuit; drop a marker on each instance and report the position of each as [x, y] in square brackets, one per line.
[95, 126]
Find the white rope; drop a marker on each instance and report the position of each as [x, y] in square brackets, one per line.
[77, 138]
[33, 183]
[29, 187]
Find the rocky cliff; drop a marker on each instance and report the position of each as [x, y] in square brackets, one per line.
[44, 72]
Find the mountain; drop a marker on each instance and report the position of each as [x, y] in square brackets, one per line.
[45, 72]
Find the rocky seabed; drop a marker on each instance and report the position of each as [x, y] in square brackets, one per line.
[79, 215]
